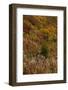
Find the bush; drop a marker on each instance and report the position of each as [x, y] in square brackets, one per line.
[44, 50]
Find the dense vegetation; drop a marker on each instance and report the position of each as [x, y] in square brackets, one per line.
[39, 44]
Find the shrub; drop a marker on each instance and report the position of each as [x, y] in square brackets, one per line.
[44, 50]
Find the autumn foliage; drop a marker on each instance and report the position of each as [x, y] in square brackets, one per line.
[39, 44]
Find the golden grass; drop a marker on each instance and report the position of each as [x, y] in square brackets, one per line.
[40, 66]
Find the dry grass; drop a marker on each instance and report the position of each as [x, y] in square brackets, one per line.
[37, 66]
